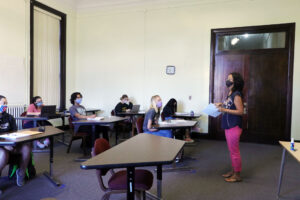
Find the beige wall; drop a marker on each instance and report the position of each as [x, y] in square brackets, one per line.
[127, 52]
[14, 48]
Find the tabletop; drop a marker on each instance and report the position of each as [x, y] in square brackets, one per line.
[49, 131]
[141, 150]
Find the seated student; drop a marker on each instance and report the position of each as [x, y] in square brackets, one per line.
[78, 112]
[124, 106]
[35, 109]
[169, 111]
[151, 119]
[8, 124]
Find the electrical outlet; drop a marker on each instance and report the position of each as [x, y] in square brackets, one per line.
[190, 97]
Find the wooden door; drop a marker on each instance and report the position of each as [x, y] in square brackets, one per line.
[267, 91]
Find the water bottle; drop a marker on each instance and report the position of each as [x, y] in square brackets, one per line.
[192, 113]
[292, 144]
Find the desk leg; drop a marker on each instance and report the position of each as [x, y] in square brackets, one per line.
[93, 135]
[49, 174]
[132, 125]
[281, 171]
[159, 181]
[116, 131]
[130, 183]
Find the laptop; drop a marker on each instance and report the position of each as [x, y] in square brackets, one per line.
[49, 111]
[135, 109]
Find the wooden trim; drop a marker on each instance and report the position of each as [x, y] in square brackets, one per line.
[289, 28]
[63, 36]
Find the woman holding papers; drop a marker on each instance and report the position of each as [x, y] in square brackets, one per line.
[169, 111]
[232, 109]
[8, 124]
[151, 118]
[78, 112]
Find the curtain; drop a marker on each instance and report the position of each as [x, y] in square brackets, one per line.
[46, 73]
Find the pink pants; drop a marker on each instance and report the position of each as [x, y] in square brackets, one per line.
[233, 139]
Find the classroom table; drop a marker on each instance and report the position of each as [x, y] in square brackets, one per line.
[141, 150]
[187, 116]
[106, 121]
[35, 119]
[49, 132]
[296, 154]
[132, 118]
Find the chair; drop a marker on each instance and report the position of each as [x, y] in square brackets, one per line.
[117, 183]
[76, 136]
[162, 117]
[139, 124]
[23, 115]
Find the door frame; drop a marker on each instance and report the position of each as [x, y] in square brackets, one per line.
[63, 37]
[289, 28]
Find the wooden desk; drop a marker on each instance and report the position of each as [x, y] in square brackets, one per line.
[50, 132]
[93, 123]
[286, 146]
[132, 118]
[141, 150]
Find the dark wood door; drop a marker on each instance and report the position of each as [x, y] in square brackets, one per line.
[267, 92]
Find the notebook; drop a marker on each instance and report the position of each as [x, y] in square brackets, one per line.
[16, 135]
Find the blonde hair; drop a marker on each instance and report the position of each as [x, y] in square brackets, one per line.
[153, 103]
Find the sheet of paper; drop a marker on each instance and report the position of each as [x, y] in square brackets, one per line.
[95, 119]
[15, 135]
[211, 110]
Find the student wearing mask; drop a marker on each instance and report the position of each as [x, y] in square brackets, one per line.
[124, 106]
[78, 112]
[151, 118]
[35, 109]
[8, 124]
[169, 111]
[233, 109]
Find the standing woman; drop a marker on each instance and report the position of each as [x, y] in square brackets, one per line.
[151, 118]
[232, 109]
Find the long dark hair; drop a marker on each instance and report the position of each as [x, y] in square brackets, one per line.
[33, 100]
[74, 96]
[171, 105]
[238, 82]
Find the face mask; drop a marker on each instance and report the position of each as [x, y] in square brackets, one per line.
[159, 104]
[228, 83]
[3, 108]
[39, 104]
[78, 100]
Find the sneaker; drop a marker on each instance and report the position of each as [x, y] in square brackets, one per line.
[20, 178]
[40, 145]
[188, 140]
[46, 142]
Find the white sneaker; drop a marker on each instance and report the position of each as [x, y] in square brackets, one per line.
[40, 145]
[46, 142]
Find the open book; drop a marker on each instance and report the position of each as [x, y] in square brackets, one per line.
[20, 134]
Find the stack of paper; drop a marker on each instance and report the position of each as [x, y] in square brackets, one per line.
[212, 110]
[96, 118]
[20, 134]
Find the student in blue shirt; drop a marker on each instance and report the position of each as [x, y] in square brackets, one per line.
[151, 118]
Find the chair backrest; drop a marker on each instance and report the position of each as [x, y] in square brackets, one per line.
[70, 122]
[139, 124]
[100, 146]
[23, 115]
[162, 117]
[113, 113]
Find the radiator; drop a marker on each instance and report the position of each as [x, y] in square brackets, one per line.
[16, 111]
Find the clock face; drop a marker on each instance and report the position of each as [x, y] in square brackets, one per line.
[170, 70]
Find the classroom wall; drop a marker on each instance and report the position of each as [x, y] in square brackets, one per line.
[14, 48]
[127, 51]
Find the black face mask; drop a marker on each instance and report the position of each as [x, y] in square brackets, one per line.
[229, 83]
